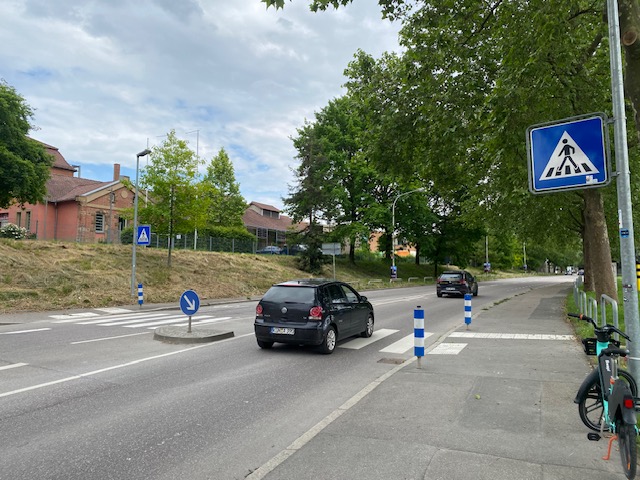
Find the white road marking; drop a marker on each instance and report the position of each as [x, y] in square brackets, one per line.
[25, 331]
[13, 365]
[115, 367]
[73, 317]
[447, 349]
[404, 344]
[113, 310]
[512, 336]
[195, 323]
[129, 316]
[146, 319]
[164, 322]
[109, 338]
[358, 343]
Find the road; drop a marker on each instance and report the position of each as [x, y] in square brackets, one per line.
[92, 395]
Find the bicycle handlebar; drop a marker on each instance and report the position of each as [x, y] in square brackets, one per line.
[607, 329]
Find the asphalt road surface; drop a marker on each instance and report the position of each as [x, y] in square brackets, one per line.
[91, 395]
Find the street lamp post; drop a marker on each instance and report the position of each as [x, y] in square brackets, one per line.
[143, 153]
[393, 225]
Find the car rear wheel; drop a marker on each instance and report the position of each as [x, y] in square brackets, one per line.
[265, 345]
[368, 331]
[328, 345]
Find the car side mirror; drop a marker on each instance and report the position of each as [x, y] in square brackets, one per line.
[363, 298]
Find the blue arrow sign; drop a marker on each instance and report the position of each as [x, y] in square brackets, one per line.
[189, 302]
[568, 154]
[144, 235]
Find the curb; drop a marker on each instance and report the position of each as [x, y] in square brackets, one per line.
[173, 334]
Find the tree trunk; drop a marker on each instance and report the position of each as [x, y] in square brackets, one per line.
[589, 285]
[597, 239]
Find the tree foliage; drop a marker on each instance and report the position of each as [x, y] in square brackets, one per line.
[224, 203]
[24, 164]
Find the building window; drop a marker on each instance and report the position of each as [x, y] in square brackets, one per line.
[27, 223]
[19, 219]
[99, 222]
[261, 233]
[4, 219]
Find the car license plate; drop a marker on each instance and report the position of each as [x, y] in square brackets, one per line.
[450, 288]
[283, 331]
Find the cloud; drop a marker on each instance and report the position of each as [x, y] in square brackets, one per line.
[105, 78]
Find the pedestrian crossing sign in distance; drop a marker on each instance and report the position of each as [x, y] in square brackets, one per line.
[143, 235]
[568, 154]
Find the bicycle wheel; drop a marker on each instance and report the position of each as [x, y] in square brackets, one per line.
[628, 448]
[590, 407]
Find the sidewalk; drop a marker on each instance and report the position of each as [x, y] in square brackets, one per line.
[501, 409]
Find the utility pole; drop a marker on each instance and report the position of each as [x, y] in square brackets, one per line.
[627, 245]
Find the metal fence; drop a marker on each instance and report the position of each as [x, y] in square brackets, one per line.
[204, 243]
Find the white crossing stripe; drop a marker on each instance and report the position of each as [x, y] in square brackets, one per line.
[134, 316]
[358, 343]
[114, 310]
[144, 318]
[25, 331]
[73, 317]
[195, 322]
[512, 336]
[164, 322]
[447, 349]
[13, 365]
[404, 344]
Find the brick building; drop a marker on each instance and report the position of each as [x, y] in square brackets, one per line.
[75, 209]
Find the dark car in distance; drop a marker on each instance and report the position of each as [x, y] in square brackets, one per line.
[312, 312]
[456, 282]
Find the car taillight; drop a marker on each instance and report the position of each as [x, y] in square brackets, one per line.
[259, 310]
[315, 313]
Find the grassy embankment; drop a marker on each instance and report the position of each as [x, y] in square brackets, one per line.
[36, 276]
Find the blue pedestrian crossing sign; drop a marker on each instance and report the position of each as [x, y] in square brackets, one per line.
[144, 235]
[568, 154]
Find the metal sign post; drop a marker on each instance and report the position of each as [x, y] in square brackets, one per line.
[627, 245]
[189, 304]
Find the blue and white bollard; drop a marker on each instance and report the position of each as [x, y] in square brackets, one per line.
[140, 295]
[418, 334]
[467, 309]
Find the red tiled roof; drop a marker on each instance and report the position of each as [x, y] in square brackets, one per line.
[251, 218]
[59, 161]
[62, 189]
[264, 206]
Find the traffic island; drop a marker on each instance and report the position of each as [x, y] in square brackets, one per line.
[173, 334]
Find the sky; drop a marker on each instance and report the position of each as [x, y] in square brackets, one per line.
[108, 78]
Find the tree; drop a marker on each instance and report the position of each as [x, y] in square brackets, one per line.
[225, 204]
[170, 177]
[24, 164]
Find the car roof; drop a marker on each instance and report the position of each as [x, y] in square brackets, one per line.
[453, 271]
[306, 282]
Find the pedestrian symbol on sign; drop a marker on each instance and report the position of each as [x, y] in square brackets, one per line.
[568, 160]
[144, 235]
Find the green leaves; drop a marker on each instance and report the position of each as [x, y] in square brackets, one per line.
[24, 163]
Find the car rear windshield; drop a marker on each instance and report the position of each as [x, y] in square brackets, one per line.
[451, 276]
[293, 294]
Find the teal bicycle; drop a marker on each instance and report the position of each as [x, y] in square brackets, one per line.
[611, 394]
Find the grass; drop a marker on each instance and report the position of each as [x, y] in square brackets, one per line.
[38, 276]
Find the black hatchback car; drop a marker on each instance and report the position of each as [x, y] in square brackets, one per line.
[312, 312]
[456, 282]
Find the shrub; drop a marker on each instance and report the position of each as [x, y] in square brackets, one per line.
[13, 231]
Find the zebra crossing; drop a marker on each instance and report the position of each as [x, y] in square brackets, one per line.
[121, 317]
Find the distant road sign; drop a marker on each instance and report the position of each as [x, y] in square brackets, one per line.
[331, 249]
[189, 302]
[568, 154]
[144, 235]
